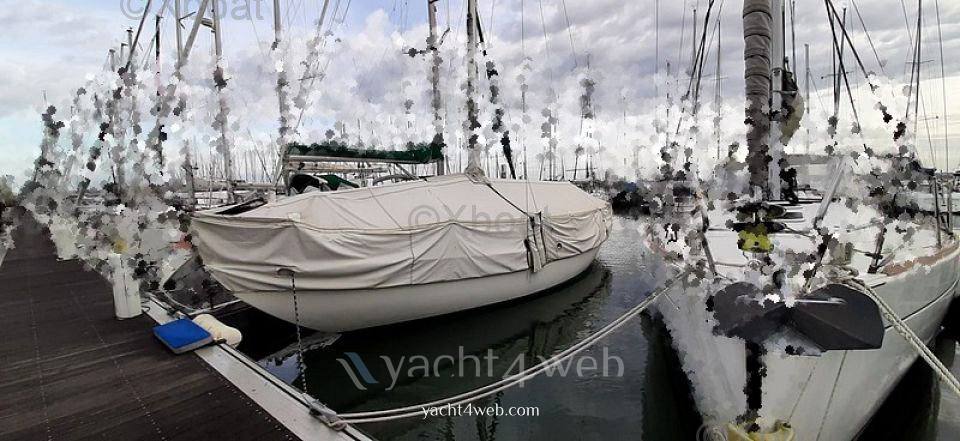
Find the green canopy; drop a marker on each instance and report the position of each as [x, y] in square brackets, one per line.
[421, 153]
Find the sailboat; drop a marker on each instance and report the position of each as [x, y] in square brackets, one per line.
[790, 317]
[373, 256]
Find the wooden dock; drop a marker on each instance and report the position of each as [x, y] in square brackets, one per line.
[70, 370]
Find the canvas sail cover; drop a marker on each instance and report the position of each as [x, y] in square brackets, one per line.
[441, 229]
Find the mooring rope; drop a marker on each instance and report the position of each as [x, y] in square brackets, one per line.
[901, 327]
[520, 377]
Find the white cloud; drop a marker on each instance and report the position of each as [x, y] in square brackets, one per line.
[368, 78]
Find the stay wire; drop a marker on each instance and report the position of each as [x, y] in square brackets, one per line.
[943, 86]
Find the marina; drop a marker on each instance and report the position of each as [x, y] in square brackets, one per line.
[917, 409]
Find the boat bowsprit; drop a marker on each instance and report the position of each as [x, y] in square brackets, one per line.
[379, 255]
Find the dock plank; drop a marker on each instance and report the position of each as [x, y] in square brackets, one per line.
[69, 370]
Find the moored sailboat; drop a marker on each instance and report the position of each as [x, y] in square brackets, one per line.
[797, 318]
[373, 256]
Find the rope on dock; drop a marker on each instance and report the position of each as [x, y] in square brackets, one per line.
[513, 380]
[901, 327]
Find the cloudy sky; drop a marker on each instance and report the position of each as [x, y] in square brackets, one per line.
[49, 48]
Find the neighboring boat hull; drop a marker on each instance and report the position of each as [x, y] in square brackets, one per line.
[347, 310]
[925, 202]
[827, 397]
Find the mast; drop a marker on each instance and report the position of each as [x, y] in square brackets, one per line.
[282, 83]
[159, 72]
[185, 54]
[806, 85]
[221, 83]
[131, 42]
[176, 25]
[777, 56]
[756, 53]
[432, 46]
[134, 41]
[473, 123]
[433, 43]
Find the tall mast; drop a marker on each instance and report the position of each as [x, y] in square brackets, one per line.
[176, 24]
[198, 19]
[756, 54]
[221, 83]
[806, 85]
[777, 57]
[433, 43]
[159, 72]
[432, 46]
[282, 82]
[473, 123]
[131, 42]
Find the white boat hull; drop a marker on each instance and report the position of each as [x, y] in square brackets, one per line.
[347, 310]
[827, 397]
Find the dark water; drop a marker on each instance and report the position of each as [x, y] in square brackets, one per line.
[650, 400]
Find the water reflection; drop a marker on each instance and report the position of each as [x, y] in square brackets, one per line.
[921, 407]
[643, 391]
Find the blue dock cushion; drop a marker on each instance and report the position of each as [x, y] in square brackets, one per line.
[182, 335]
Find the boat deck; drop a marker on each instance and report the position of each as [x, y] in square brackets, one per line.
[70, 370]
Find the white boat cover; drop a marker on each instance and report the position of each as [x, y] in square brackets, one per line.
[441, 229]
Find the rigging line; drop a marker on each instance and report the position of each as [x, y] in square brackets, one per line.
[573, 48]
[917, 63]
[343, 17]
[698, 60]
[523, 35]
[869, 39]
[292, 13]
[926, 122]
[697, 71]
[683, 31]
[816, 90]
[828, 4]
[873, 88]
[546, 42]
[833, 56]
[320, 73]
[698, 67]
[843, 42]
[705, 50]
[846, 82]
[943, 86]
[718, 84]
[793, 35]
[906, 23]
[493, 4]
